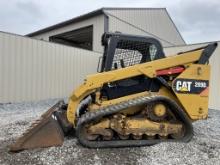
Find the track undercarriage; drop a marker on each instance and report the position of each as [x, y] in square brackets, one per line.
[158, 119]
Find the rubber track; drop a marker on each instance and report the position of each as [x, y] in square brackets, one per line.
[113, 109]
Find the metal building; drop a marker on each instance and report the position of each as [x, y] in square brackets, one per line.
[85, 31]
[32, 68]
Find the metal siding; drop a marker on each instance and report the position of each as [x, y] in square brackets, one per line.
[150, 20]
[154, 21]
[117, 25]
[215, 70]
[35, 70]
[98, 30]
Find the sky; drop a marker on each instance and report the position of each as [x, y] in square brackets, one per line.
[197, 20]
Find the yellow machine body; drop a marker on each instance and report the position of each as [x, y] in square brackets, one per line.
[192, 71]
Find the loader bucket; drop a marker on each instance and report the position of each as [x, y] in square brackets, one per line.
[45, 132]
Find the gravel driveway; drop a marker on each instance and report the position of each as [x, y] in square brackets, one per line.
[204, 148]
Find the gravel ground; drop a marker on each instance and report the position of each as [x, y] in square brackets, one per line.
[204, 148]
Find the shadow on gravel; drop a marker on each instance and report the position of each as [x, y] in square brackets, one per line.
[70, 153]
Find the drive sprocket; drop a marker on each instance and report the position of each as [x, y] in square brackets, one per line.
[156, 111]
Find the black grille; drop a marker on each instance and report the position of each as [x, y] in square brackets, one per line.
[130, 53]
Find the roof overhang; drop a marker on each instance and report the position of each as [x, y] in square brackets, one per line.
[81, 18]
[70, 21]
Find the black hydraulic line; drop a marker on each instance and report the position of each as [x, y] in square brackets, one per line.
[164, 82]
[207, 52]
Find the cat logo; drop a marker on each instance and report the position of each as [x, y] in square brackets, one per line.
[191, 86]
[183, 86]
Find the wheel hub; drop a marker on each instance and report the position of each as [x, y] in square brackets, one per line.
[159, 110]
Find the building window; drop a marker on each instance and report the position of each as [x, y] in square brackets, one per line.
[81, 38]
[153, 52]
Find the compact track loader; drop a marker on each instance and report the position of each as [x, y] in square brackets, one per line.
[139, 97]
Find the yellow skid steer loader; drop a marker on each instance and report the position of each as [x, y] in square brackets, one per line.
[138, 97]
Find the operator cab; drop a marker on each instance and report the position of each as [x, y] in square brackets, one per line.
[123, 50]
